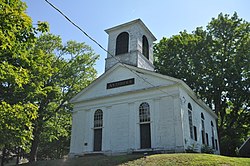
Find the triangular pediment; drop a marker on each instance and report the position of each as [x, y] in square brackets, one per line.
[123, 79]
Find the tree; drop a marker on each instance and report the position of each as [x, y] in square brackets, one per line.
[17, 37]
[71, 70]
[215, 64]
[38, 76]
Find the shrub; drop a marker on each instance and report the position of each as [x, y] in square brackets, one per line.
[191, 149]
[207, 149]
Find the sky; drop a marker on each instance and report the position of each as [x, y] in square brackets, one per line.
[164, 18]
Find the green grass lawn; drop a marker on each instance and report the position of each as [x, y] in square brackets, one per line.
[151, 160]
[189, 159]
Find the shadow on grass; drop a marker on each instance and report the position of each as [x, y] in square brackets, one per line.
[97, 160]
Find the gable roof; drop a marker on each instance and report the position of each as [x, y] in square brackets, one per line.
[131, 68]
[139, 21]
[136, 70]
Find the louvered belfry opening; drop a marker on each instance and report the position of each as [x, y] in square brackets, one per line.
[145, 47]
[122, 43]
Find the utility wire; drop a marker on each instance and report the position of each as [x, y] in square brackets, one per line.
[79, 28]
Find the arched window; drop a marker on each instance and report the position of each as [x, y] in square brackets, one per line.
[122, 42]
[145, 47]
[189, 106]
[190, 119]
[144, 112]
[98, 123]
[98, 118]
[145, 131]
[202, 116]
[203, 129]
[212, 128]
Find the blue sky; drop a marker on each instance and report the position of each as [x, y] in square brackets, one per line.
[163, 17]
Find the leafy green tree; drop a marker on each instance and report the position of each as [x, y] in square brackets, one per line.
[215, 63]
[71, 69]
[38, 76]
[17, 38]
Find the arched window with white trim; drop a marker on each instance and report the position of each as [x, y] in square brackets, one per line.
[203, 129]
[212, 130]
[145, 131]
[98, 124]
[190, 120]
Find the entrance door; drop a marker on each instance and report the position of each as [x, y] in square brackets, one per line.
[97, 139]
[145, 135]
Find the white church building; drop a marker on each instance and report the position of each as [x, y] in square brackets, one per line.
[130, 108]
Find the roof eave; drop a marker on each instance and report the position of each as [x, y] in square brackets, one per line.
[130, 23]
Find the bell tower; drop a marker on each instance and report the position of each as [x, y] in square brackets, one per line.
[132, 44]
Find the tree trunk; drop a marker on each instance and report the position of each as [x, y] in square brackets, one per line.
[218, 112]
[34, 146]
[18, 155]
[3, 156]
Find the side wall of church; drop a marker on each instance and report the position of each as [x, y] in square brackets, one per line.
[197, 110]
[169, 124]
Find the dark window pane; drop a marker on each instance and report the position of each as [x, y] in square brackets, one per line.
[190, 123]
[203, 136]
[190, 119]
[195, 133]
[216, 144]
[207, 139]
[213, 143]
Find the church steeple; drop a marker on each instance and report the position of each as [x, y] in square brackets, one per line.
[131, 43]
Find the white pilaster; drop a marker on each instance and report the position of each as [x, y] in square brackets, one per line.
[106, 129]
[132, 126]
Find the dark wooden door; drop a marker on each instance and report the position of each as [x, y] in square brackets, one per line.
[145, 135]
[97, 139]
